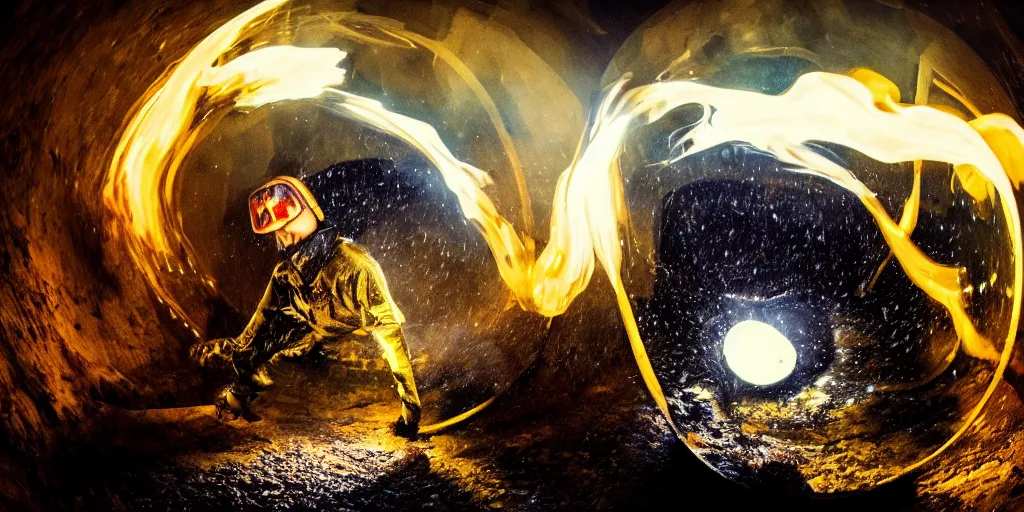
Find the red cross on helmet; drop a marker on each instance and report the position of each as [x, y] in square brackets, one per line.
[278, 202]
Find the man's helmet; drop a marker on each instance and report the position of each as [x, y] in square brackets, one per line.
[278, 202]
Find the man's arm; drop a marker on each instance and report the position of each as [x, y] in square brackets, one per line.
[396, 352]
[381, 318]
[267, 333]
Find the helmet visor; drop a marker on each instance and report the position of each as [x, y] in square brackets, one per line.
[274, 206]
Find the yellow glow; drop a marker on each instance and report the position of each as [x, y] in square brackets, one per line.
[758, 353]
[174, 115]
[892, 134]
[861, 112]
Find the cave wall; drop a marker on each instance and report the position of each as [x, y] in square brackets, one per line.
[77, 324]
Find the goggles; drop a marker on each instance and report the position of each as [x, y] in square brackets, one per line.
[278, 202]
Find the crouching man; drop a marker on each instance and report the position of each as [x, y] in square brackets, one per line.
[324, 288]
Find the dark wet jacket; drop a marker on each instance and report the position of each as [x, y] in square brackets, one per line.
[326, 288]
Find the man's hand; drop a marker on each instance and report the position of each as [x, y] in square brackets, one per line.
[408, 424]
[214, 352]
[406, 429]
[237, 405]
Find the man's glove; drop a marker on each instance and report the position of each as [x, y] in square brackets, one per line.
[236, 404]
[405, 429]
[408, 424]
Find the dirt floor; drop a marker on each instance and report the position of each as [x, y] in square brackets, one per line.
[610, 449]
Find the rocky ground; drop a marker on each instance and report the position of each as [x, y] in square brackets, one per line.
[609, 449]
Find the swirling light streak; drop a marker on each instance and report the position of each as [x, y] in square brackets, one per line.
[860, 112]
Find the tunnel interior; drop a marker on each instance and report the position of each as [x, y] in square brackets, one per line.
[102, 406]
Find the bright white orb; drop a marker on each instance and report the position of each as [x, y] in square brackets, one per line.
[758, 353]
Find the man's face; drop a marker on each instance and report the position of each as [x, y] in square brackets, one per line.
[297, 230]
[279, 208]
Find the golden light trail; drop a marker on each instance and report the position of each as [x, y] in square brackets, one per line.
[178, 110]
[139, 185]
[891, 134]
[861, 112]
[460, 68]
[140, 169]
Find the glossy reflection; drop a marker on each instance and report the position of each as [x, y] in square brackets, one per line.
[886, 371]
